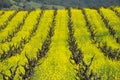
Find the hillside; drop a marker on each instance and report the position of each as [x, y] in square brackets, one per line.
[63, 44]
[49, 4]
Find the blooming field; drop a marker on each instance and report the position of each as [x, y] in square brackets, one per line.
[66, 44]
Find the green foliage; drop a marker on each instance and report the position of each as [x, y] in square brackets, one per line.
[46, 4]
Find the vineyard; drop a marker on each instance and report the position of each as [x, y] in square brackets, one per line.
[66, 44]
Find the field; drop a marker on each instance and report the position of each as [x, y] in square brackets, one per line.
[66, 44]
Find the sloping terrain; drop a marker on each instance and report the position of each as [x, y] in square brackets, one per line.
[66, 44]
[51, 4]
